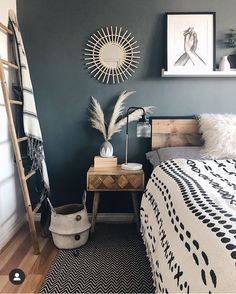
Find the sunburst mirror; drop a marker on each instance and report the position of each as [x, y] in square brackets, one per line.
[112, 55]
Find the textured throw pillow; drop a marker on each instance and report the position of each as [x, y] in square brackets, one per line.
[219, 134]
[153, 157]
[156, 157]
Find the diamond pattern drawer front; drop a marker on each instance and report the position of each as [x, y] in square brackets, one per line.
[114, 179]
[132, 182]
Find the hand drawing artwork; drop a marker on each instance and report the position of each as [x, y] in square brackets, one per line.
[190, 42]
[190, 47]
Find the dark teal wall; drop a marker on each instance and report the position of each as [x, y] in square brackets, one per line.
[55, 32]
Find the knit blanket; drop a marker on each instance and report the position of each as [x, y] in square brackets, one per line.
[30, 118]
[188, 223]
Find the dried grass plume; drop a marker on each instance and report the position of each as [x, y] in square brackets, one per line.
[117, 120]
[97, 117]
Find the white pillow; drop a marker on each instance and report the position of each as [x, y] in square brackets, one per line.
[219, 134]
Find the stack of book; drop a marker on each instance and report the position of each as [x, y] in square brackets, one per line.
[104, 162]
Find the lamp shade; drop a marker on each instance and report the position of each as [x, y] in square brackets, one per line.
[143, 129]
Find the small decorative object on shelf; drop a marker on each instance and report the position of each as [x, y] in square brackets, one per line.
[116, 123]
[104, 162]
[224, 64]
[231, 43]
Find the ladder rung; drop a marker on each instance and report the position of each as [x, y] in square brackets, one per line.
[37, 207]
[16, 102]
[9, 64]
[22, 139]
[23, 177]
[6, 29]
[30, 174]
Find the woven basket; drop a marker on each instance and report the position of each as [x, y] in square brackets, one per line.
[70, 225]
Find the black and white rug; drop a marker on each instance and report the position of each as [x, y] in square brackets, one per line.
[113, 261]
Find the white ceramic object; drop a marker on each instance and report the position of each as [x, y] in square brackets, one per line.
[106, 149]
[131, 166]
[224, 64]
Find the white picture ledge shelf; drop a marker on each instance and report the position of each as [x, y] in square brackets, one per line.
[212, 74]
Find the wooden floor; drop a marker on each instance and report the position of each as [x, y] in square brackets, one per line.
[19, 254]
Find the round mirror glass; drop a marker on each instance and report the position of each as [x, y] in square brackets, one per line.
[112, 55]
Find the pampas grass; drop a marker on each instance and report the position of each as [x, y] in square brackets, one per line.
[117, 112]
[97, 117]
[117, 121]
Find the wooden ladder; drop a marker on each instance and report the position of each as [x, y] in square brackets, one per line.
[15, 142]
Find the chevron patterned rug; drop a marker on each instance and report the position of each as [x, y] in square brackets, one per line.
[113, 261]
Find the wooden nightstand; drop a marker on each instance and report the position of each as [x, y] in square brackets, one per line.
[114, 179]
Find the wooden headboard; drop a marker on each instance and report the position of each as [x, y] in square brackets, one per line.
[175, 131]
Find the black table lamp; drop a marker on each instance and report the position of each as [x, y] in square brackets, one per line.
[143, 130]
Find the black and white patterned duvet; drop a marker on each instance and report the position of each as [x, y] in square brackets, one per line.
[188, 223]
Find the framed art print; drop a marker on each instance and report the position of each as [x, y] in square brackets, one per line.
[190, 42]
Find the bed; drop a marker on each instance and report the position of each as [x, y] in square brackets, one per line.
[188, 216]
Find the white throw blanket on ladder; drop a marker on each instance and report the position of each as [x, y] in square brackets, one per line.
[30, 119]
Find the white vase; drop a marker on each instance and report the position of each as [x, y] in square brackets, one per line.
[224, 64]
[106, 149]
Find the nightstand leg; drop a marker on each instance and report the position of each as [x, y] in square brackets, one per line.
[136, 208]
[96, 199]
